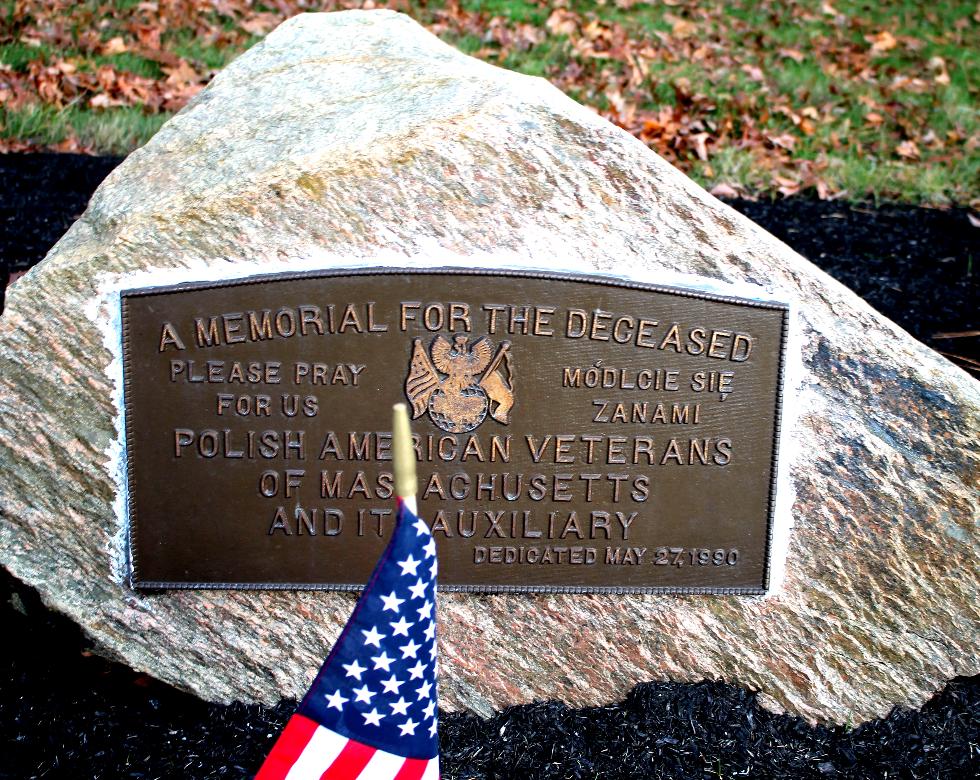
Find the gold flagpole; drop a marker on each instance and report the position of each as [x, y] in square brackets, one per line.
[406, 482]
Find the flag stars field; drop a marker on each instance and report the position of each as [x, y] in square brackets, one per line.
[400, 627]
[364, 694]
[372, 711]
[383, 662]
[399, 707]
[373, 637]
[392, 602]
[372, 718]
[354, 669]
[409, 565]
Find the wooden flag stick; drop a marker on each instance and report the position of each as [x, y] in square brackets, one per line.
[406, 483]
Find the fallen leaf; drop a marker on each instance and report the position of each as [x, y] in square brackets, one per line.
[700, 142]
[182, 75]
[787, 186]
[793, 54]
[680, 28]
[784, 141]
[100, 101]
[562, 22]
[883, 41]
[908, 150]
[873, 118]
[754, 72]
[724, 191]
[260, 23]
[938, 64]
[114, 46]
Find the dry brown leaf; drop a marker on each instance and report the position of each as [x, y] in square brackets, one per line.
[562, 22]
[114, 46]
[754, 72]
[787, 186]
[724, 191]
[793, 54]
[182, 75]
[783, 141]
[680, 28]
[883, 41]
[260, 23]
[874, 118]
[103, 101]
[907, 150]
[938, 64]
[700, 144]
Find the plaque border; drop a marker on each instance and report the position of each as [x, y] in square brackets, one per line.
[523, 273]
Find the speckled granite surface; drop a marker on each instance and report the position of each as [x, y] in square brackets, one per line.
[345, 136]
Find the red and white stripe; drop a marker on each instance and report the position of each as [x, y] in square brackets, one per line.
[307, 751]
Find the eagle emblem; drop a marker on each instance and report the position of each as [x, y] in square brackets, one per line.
[462, 382]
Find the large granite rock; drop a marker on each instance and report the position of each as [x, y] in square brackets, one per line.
[347, 136]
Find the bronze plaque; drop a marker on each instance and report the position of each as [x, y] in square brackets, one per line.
[572, 432]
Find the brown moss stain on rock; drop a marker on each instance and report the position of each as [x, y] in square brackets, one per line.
[726, 224]
[746, 267]
[623, 181]
[570, 130]
[693, 222]
[796, 678]
[312, 184]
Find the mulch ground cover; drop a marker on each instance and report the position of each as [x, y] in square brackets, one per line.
[65, 712]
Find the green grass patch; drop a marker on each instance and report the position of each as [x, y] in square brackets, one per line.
[744, 71]
[133, 63]
[42, 125]
[185, 44]
[540, 59]
[515, 10]
[19, 55]
[117, 131]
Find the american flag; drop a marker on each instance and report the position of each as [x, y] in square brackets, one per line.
[371, 712]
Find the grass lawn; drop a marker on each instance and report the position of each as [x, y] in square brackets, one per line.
[860, 99]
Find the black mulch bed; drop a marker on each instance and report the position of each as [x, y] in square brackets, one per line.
[67, 713]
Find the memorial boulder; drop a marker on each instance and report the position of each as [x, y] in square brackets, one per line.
[356, 149]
